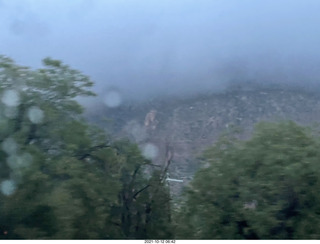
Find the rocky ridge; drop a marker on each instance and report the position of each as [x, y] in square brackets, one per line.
[181, 128]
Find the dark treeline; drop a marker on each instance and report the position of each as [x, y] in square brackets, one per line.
[62, 178]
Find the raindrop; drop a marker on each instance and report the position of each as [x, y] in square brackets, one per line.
[11, 98]
[35, 115]
[8, 187]
[137, 131]
[112, 99]
[150, 151]
[9, 146]
[26, 159]
[22, 161]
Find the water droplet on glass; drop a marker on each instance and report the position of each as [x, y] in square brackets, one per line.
[137, 131]
[35, 115]
[11, 98]
[9, 146]
[17, 162]
[112, 99]
[150, 151]
[8, 187]
[26, 159]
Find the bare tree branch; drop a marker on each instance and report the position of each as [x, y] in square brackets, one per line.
[138, 192]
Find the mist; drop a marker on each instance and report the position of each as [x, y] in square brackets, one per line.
[144, 48]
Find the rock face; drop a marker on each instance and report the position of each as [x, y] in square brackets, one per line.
[183, 128]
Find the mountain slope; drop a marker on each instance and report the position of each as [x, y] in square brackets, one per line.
[182, 128]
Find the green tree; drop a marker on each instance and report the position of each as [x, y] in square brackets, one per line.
[262, 188]
[143, 211]
[60, 177]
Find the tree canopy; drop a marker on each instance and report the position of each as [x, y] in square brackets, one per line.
[262, 188]
[62, 178]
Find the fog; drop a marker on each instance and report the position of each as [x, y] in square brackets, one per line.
[144, 48]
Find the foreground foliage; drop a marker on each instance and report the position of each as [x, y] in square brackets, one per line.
[62, 178]
[263, 188]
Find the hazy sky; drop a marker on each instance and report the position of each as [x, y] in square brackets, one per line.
[145, 47]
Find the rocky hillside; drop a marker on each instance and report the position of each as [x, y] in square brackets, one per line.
[181, 128]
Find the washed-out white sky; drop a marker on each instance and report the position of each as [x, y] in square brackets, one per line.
[150, 47]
